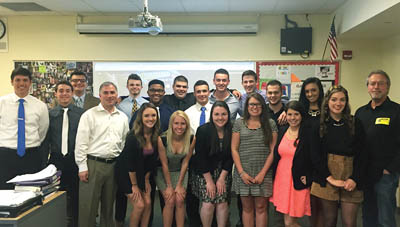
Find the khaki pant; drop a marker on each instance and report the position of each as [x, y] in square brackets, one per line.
[100, 188]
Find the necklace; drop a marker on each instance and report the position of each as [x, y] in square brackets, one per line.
[314, 113]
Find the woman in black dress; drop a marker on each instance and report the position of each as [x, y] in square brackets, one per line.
[213, 165]
[311, 96]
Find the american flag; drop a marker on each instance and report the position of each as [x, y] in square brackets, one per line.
[332, 41]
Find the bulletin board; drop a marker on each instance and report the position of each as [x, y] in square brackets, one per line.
[292, 74]
[46, 74]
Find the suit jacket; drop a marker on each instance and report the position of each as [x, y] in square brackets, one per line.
[90, 101]
[302, 164]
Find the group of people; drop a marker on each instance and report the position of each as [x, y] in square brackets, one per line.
[307, 157]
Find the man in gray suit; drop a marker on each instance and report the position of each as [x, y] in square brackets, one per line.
[81, 98]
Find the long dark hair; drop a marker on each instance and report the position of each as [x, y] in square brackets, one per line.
[264, 117]
[303, 99]
[138, 127]
[226, 143]
[346, 113]
[297, 106]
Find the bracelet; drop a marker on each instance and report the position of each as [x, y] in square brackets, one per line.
[169, 185]
[241, 173]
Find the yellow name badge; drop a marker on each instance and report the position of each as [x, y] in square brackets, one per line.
[382, 121]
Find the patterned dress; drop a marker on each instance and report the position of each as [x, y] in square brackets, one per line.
[253, 153]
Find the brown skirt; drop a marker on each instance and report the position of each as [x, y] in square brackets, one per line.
[341, 168]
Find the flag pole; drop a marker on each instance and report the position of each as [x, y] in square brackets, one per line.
[323, 55]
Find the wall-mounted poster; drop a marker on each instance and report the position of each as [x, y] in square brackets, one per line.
[46, 74]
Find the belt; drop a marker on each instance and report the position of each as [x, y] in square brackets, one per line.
[105, 160]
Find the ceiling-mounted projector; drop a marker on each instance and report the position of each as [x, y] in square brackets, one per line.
[145, 22]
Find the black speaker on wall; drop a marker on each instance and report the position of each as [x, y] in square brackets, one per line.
[296, 40]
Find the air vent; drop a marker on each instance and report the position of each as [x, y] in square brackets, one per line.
[23, 6]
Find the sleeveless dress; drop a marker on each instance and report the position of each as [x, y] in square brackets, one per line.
[295, 203]
[253, 154]
[174, 167]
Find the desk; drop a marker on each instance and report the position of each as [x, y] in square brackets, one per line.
[51, 213]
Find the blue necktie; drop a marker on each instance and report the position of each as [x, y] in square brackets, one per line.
[202, 116]
[21, 129]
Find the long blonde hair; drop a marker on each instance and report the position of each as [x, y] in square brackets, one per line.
[186, 135]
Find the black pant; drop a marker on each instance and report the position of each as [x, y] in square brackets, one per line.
[121, 203]
[69, 183]
[12, 165]
[192, 204]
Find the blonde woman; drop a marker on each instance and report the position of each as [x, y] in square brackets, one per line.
[171, 177]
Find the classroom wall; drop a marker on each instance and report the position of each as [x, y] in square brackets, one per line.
[55, 38]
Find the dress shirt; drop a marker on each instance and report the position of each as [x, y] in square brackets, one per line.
[232, 103]
[180, 104]
[194, 113]
[36, 121]
[127, 104]
[243, 99]
[101, 134]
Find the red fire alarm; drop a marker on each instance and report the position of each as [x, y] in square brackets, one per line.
[347, 54]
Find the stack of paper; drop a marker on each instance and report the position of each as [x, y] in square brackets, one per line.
[44, 182]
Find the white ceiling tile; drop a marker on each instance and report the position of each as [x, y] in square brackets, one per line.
[169, 6]
[189, 6]
[332, 5]
[206, 6]
[114, 5]
[261, 6]
[66, 6]
[303, 6]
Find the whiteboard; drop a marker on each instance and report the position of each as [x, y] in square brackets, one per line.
[118, 72]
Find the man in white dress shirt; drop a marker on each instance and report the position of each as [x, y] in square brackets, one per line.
[198, 114]
[99, 141]
[201, 93]
[24, 121]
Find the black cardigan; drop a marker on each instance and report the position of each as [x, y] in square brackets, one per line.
[133, 160]
[302, 165]
[320, 147]
[202, 160]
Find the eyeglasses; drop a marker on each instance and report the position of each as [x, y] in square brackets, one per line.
[252, 105]
[78, 80]
[156, 90]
